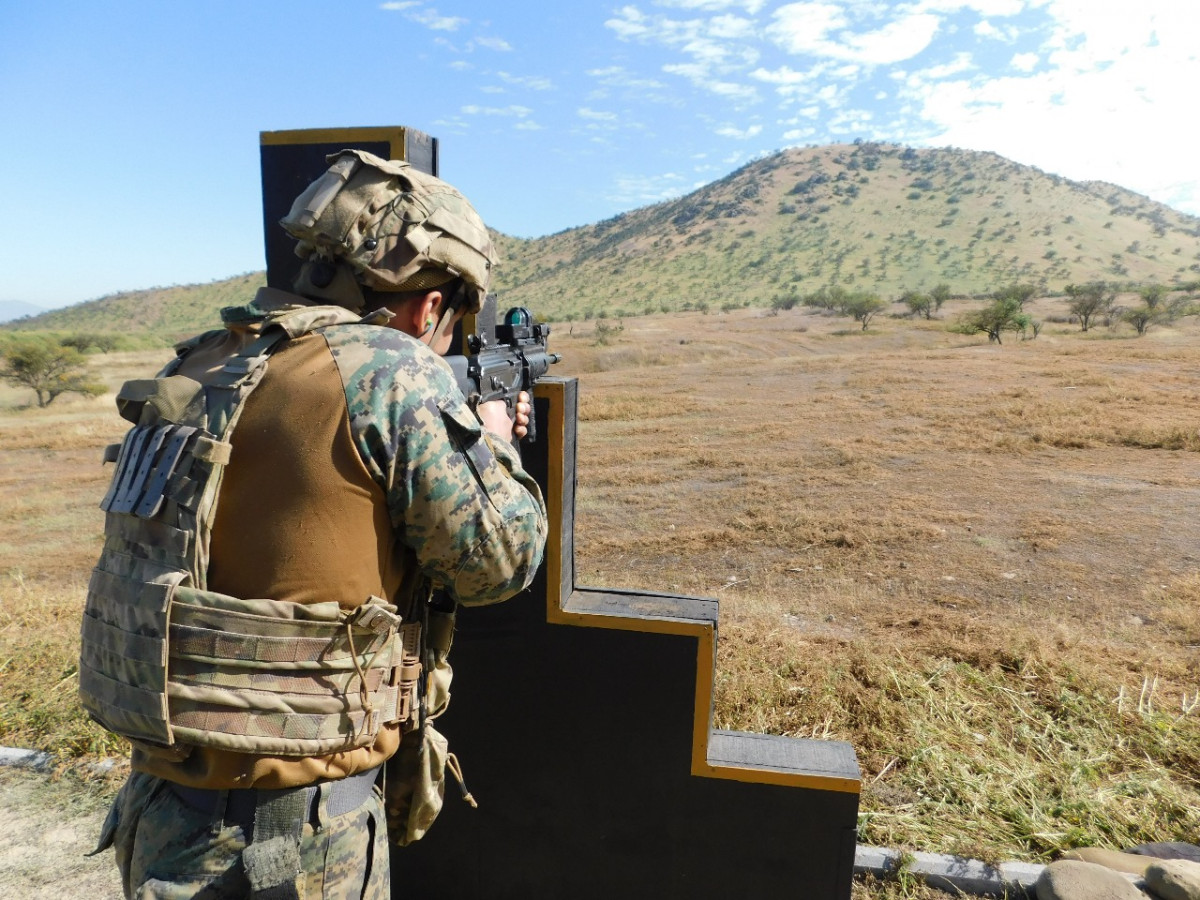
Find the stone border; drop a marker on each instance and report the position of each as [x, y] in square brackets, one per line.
[41, 761]
[951, 873]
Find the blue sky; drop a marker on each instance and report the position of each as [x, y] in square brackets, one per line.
[129, 156]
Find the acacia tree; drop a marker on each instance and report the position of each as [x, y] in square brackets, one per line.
[1022, 293]
[1153, 295]
[830, 297]
[918, 304]
[996, 318]
[939, 295]
[47, 367]
[1087, 301]
[864, 307]
[1142, 317]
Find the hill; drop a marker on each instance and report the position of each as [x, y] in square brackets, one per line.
[874, 217]
[170, 312]
[877, 217]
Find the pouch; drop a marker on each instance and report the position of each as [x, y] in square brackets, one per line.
[415, 784]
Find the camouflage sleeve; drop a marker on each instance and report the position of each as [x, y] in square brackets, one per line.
[461, 501]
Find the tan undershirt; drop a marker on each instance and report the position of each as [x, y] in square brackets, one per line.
[298, 518]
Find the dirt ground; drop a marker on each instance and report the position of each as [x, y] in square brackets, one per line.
[50, 825]
[919, 541]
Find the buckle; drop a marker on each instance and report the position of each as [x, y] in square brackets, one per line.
[376, 618]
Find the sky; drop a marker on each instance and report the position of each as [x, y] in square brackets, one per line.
[129, 150]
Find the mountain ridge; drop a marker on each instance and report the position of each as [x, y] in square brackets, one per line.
[877, 217]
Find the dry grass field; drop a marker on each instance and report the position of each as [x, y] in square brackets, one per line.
[977, 563]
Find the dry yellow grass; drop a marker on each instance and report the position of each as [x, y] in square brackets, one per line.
[50, 533]
[979, 564]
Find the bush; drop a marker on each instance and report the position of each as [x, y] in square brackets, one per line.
[605, 333]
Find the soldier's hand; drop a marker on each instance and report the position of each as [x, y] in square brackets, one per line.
[524, 411]
[494, 416]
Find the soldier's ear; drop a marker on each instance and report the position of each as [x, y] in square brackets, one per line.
[429, 306]
[424, 313]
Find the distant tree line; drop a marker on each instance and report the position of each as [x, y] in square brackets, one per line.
[1088, 304]
[1005, 309]
[862, 306]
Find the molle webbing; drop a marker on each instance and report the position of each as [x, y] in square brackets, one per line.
[260, 683]
[166, 661]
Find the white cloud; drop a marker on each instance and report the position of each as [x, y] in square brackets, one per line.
[1104, 85]
[895, 42]
[962, 62]
[527, 125]
[742, 93]
[492, 89]
[696, 72]
[851, 121]
[715, 48]
[987, 30]
[398, 6]
[829, 94]
[741, 134]
[533, 82]
[492, 43]
[803, 27]
[632, 25]
[985, 8]
[1025, 62]
[731, 28]
[617, 76]
[824, 30]
[784, 75]
[750, 6]
[430, 19]
[639, 190]
[701, 76]
[519, 112]
[596, 115]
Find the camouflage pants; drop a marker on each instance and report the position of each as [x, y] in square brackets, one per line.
[168, 850]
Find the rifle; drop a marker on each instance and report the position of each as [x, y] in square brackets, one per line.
[498, 366]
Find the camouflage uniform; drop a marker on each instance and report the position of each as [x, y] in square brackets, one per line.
[448, 503]
[168, 850]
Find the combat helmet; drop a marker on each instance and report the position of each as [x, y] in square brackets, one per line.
[383, 225]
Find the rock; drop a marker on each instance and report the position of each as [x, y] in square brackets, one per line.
[1168, 850]
[1112, 859]
[1174, 879]
[1070, 879]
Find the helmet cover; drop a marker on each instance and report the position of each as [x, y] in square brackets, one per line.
[398, 228]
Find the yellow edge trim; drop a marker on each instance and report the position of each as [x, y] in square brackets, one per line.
[555, 432]
[395, 136]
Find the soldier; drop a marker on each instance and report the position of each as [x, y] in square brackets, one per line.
[295, 487]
